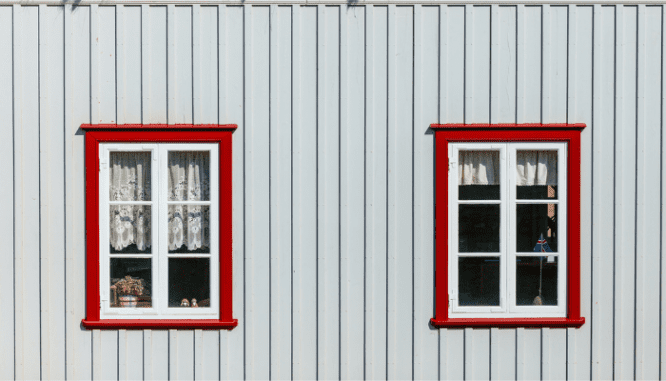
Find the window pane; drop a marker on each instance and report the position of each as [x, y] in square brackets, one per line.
[131, 282]
[536, 281]
[129, 229]
[129, 176]
[189, 229]
[479, 281]
[189, 176]
[536, 175]
[479, 227]
[534, 223]
[478, 175]
[189, 282]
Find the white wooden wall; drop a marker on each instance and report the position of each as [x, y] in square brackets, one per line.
[333, 180]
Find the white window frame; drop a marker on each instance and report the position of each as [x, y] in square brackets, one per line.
[507, 253]
[159, 228]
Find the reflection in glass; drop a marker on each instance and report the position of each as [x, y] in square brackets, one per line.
[478, 175]
[189, 176]
[478, 281]
[189, 282]
[129, 176]
[536, 281]
[131, 282]
[189, 229]
[534, 221]
[478, 228]
[130, 229]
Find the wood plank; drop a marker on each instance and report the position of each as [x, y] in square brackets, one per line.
[426, 107]
[503, 64]
[305, 192]
[529, 64]
[280, 191]
[477, 64]
[452, 67]
[130, 355]
[231, 66]
[580, 110]
[554, 354]
[205, 64]
[52, 192]
[156, 354]
[154, 58]
[554, 94]
[104, 65]
[257, 193]
[328, 233]
[528, 354]
[27, 302]
[129, 50]
[625, 189]
[352, 176]
[503, 353]
[376, 201]
[452, 354]
[77, 93]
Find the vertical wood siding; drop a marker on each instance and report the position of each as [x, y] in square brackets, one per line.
[333, 180]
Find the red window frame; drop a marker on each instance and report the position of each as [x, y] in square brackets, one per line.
[446, 133]
[157, 133]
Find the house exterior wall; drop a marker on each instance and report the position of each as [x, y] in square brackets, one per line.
[333, 172]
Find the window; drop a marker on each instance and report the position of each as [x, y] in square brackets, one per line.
[507, 224]
[158, 213]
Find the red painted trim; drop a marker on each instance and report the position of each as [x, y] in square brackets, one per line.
[94, 127]
[171, 134]
[509, 323]
[444, 134]
[500, 126]
[159, 324]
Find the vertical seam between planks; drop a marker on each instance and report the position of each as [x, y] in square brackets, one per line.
[340, 187]
[661, 181]
[516, 93]
[638, 52]
[64, 166]
[615, 177]
[317, 189]
[594, 21]
[115, 57]
[194, 96]
[388, 102]
[90, 107]
[465, 69]
[14, 173]
[244, 202]
[270, 183]
[39, 174]
[365, 180]
[291, 190]
[142, 90]
[413, 147]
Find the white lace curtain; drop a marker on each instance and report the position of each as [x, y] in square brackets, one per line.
[188, 180]
[482, 168]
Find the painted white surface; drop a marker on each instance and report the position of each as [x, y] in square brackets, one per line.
[333, 180]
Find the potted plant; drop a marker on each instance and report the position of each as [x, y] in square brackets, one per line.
[128, 290]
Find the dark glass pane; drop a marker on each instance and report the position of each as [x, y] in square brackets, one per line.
[535, 221]
[189, 282]
[130, 229]
[536, 281]
[129, 176]
[479, 227]
[479, 192]
[536, 192]
[189, 229]
[479, 281]
[189, 176]
[131, 282]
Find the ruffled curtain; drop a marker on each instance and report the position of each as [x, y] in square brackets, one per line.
[129, 180]
[189, 180]
[536, 168]
[478, 168]
[482, 168]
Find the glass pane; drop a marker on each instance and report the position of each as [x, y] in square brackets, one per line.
[536, 281]
[478, 175]
[129, 176]
[189, 176]
[479, 227]
[131, 282]
[537, 228]
[189, 282]
[479, 281]
[536, 175]
[189, 230]
[129, 229]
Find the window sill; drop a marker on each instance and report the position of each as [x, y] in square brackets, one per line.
[509, 323]
[159, 324]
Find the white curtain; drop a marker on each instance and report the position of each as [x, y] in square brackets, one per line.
[536, 168]
[532, 168]
[129, 180]
[478, 168]
[189, 180]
